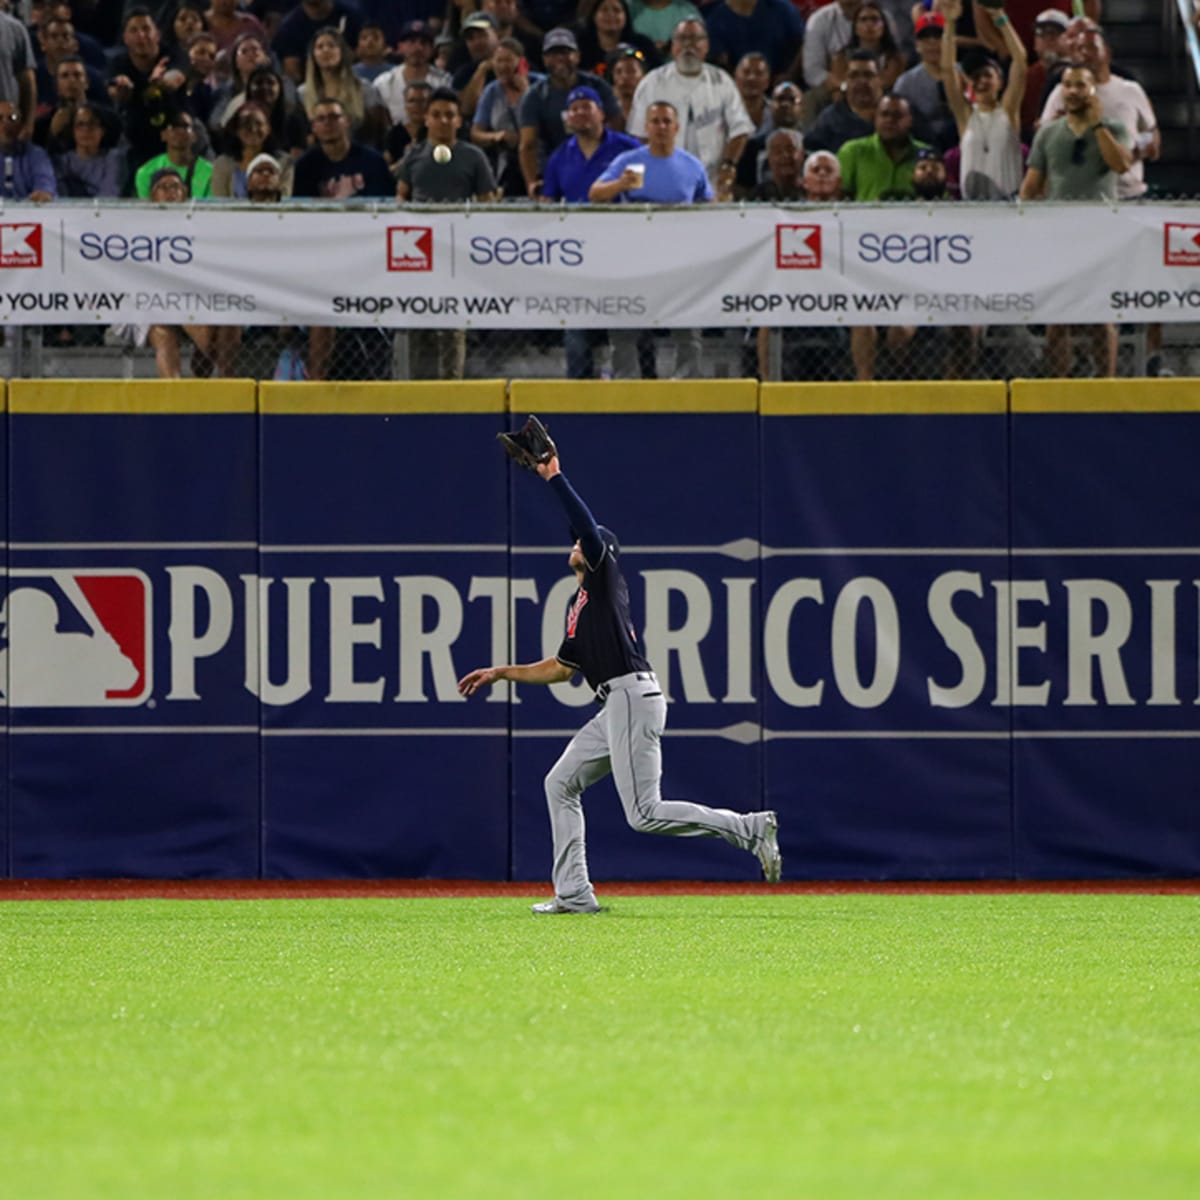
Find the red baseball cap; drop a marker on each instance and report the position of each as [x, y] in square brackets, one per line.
[928, 21]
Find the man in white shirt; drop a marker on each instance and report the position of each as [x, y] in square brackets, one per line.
[1121, 100]
[416, 44]
[713, 122]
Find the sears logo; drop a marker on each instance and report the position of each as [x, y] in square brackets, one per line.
[176, 248]
[1181, 245]
[526, 252]
[917, 249]
[20, 245]
[798, 247]
[75, 638]
[409, 248]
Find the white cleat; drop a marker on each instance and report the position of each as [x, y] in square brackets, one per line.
[555, 906]
[768, 850]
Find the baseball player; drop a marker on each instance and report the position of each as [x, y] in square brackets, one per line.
[624, 736]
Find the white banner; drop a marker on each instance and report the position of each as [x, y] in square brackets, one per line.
[553, 268]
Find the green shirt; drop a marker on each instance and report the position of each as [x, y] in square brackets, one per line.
[201, 171]
[869, 173]
[1075, 173]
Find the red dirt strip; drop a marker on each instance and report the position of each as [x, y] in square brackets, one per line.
[441, 889]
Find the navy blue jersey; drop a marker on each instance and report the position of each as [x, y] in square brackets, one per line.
[601, 640]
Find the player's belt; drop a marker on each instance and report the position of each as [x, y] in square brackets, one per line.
[620, 682]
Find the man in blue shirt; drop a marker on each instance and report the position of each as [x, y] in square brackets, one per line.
[656, 173]
[25, 169]
[577, 163]
[569, 173]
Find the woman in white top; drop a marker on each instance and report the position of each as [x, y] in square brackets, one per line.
[989, 130]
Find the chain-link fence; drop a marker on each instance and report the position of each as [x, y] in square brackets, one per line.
[808, 353]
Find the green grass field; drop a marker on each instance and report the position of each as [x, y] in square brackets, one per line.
[795, 1046]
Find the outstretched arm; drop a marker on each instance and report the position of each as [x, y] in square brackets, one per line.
[578, 513]
[549, 670]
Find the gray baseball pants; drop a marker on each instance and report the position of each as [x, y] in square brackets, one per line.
[624, 737]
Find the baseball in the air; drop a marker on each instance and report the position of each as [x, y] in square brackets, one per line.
[441, 154]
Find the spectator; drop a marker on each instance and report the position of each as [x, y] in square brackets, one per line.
[466, 175]
[167, 186]
[968, 39]
[1048, 34]
[18, 82]
[990, 164]
[27, 173]
[853, 114]
[187, 21]
[541, 111]
[783, 182]
[289, 123]
[774, 28]
[411, 131]
[713, 122]
[570, 172]
[264, 180]
[198, 93]
[329, 75]
[479, 37]
[871, 32]
[880, 167]
[145, 84]
[1024, 15]
[297, 30]
[784, 113]
[656, 173]
[247, 138]
[929, 176]
[416, 49]
[52, 129]
[335, 168]
[1121, 100]
[607, 26]
[92, 167]
[822, 177]
[1078, 156]
[371, 53]
[179, 138]
[925, 85]
[656, 19]
[57, 40]
[828, 31]
[249, 52]
[226, 22]
[626, 69]
[753, 77]
[496, 128]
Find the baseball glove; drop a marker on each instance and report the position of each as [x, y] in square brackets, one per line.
[529, 445]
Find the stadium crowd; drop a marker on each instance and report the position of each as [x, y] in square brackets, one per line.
[554, 101]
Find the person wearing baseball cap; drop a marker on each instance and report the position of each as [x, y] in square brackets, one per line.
[1049, 29]
[540, 116]
[416, 46]
[480, 40]
[922, 86]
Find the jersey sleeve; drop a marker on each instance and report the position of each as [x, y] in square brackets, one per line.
[583, 524]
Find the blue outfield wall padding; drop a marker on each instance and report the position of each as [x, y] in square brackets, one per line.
[1106, 558]
[133, 744]
[670, 468]
[385, 572]
[884, 532]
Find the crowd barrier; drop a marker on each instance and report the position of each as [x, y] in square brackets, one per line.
[946, 631]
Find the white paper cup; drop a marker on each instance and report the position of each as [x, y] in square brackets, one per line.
[639, 169]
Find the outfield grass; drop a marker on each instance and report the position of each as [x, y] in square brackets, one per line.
[686, 1047]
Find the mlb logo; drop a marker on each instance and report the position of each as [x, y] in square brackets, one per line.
[798, 247]
[75, 638]
[1181, 245]
[21, 245]
[410, 248]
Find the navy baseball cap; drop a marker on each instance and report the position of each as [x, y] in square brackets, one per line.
[583, 92]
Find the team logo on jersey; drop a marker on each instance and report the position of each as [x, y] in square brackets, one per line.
[798, 247]
[75, 638]
[1181, 245]
[21, 245]
[576, 609]
[410, 248]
